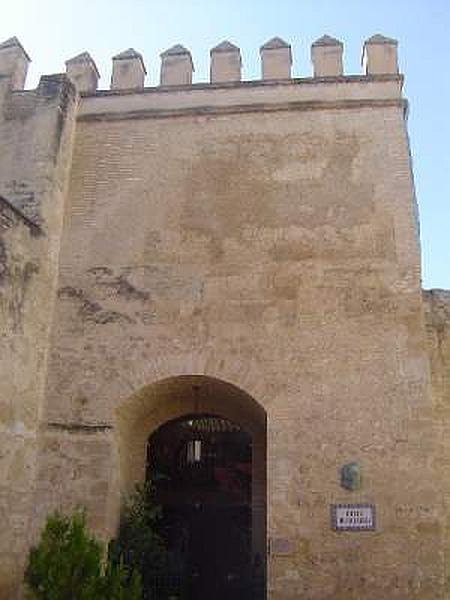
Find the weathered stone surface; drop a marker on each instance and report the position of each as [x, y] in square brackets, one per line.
[128, 71]
[83, 72]
[380, 55]
[14, 63]
[176, 66]
[36, 143]
[226, 63]
[326, 56]
[276, 59]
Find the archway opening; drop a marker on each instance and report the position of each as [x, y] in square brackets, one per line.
[201, 467]
[202, 442]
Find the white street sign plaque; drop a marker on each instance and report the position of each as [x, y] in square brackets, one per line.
[353, 517]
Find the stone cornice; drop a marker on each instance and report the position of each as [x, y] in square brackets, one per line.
[245, 108]
[326, 93]
[346, 79]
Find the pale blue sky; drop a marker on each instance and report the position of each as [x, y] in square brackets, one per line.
[55, 30]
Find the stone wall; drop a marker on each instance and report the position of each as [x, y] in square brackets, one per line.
[36, 140]
[437, 318]
[19, 266]
[272, 246]
[437, 315]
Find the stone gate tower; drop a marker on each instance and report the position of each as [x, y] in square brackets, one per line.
[244, 249]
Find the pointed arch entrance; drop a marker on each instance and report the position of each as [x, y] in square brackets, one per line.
[210, 437]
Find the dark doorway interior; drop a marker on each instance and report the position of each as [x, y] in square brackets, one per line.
[201, 466]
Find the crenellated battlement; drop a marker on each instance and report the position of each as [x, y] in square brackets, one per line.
[379, 57]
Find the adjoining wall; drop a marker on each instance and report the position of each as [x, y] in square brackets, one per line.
[437, 319]
[20, 245]
[36, 130]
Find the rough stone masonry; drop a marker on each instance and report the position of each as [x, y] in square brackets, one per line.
[254, 240]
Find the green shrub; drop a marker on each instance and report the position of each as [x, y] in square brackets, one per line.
[119, 585]
[139, 543]
[67, 564]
